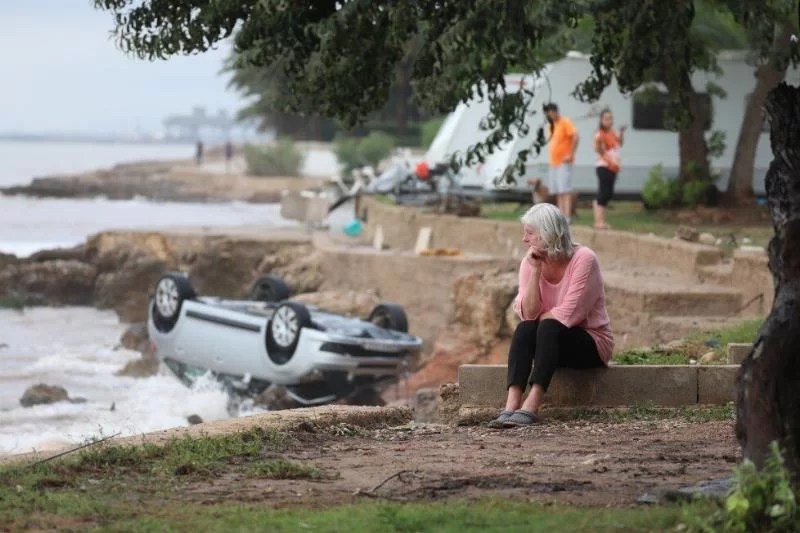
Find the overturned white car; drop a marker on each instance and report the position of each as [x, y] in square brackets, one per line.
[271, 340]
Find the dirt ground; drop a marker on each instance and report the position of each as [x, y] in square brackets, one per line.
[584, 463]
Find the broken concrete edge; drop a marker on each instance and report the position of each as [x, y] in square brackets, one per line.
[738, 352]
[618, 386]
[301, 419]
[401, 227]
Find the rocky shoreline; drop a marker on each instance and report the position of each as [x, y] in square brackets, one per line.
[167, 181]
[118, 270]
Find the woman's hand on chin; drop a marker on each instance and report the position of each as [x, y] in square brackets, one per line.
[534, 258]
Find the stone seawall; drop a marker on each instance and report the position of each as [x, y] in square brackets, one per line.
[423, 285]
[400, 226]
[622, 250]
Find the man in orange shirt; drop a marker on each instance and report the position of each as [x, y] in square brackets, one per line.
[563, 144]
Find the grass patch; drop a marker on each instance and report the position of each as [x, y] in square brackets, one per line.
[483, 515]
[695, 346]
[182, 456]
[444, 516]
[651, 357]
[703, 341]
[384, 199]
[648, 413]
[27, 488]
[283, 469]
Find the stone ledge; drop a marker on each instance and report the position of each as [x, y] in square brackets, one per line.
[716, 385]
[738, 352]
[617, 386]
[502, 238]
[669, 297]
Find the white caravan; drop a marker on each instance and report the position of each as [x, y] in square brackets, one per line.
[647, 143]
[461, 130]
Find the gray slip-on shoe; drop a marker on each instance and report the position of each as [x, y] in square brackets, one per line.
[521, 418]
[499, 422]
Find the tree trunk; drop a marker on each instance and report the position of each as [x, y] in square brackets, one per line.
[740, 183]
[768, 403]
[403, 89]
[692, 145]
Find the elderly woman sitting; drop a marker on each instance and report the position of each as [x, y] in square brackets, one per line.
[561, 303]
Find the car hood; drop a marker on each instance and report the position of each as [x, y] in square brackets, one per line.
[355, 327]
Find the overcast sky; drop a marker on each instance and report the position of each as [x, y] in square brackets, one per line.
[61, 72]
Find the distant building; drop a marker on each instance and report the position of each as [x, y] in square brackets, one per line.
[199, 124]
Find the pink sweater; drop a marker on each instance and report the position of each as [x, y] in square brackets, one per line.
[577, 300]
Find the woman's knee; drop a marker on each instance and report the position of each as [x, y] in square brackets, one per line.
[524, 338]
[549, 328]
[526, 328]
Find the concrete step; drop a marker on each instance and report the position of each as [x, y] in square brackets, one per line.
[677, 327]
[719, 274]
[670, 296]
[615, 386]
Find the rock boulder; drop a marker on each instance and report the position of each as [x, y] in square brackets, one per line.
[707, 239]
[7, 260]
[136, 338]
[76, 253]
[128, 290]
[144, 367]
[687, 233]
[49, 283]
[42, 394]
[351, 303]
[426, 405]
[453, 348]
[110, 251]
[229, 266]
[480, 302]
[275, 398]
[300, 266]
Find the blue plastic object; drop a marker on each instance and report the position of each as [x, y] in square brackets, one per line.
[353, 228]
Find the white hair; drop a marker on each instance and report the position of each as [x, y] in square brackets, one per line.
[553, 228]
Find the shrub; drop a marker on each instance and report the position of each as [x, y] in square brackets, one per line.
[279, 159]
[429, 131]
[355, 152]
[346, 150]
[759, 500]
[695, 192]
[660, 191]
[375, 147]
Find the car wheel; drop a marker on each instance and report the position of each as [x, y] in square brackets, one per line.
[389, 316]
[172, 290]
[269, 289]
[283, 331]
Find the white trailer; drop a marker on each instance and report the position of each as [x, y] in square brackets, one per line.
[647, 142]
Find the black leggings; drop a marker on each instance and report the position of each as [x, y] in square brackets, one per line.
[606, 180]
[552, 344]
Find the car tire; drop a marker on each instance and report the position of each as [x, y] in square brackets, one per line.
[172, 289]
[283, 331]
[269, 289]
[389, 316]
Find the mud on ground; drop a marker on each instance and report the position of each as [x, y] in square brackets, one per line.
[323, 457]
[577, 463]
